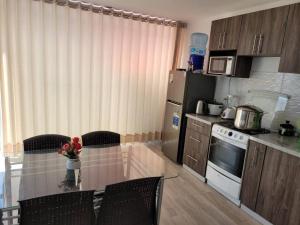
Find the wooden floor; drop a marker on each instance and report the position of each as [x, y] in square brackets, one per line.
[188, 201]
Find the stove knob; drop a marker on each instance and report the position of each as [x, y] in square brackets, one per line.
[241, 137]
[235, 136]
[230, 134]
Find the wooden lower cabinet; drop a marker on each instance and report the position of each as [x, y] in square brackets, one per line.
[252, 174]
[196, 151]
[278, 198]
[271, 184]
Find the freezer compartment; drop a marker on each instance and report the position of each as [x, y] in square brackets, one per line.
[176, 86]
[171, 130]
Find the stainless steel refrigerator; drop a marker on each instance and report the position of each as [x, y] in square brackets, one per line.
[184, 90]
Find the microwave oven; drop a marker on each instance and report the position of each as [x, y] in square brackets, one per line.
[221, 65]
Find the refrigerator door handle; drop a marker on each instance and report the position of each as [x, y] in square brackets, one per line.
[173, 103]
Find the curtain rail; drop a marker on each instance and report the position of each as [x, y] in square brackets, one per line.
[114, 12]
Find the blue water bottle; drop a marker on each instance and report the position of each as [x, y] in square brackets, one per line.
[197, 51]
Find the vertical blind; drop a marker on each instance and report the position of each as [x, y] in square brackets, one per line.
[70, 71]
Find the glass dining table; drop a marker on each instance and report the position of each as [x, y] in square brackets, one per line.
[39, 173]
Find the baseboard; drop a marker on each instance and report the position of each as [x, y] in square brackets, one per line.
[257, 217]
[194, 173]
[144, 137]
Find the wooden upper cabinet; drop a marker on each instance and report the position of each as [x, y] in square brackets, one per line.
[225, 33]
[252, 172]
[216, 34]
[289, 61]
[278, 198]
[263, 32]
[251, 26]
[273, 31]
[232, 33]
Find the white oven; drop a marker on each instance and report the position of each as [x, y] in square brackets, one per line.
[226, 161]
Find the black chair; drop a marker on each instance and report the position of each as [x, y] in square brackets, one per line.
[100, 138]
[73, 208]
[43, 142]
[131, 203]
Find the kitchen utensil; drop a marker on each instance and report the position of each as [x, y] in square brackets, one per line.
[201, 108]
[231, 100]
[286, 129]
[215, 109]
[248, 117]
[229, 113]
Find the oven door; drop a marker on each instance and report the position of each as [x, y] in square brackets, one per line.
[227, 156]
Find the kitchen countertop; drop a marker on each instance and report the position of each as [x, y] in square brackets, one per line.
[290, 145]
[205, 118]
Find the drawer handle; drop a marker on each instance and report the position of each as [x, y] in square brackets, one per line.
[195, 139]
[197, 125]
[192, 158]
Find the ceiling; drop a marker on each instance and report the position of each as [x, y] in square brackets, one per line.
[184, 10]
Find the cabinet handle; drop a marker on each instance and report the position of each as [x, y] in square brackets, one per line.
[256, 157]
[254, 43]
[195, 139]
[219, 44]
[223, 41]
[260, 43]
[197, 125]
[192, 158]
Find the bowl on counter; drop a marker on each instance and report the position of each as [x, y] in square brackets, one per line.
[215, 108]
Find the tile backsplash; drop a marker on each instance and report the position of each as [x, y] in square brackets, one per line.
[264, 76]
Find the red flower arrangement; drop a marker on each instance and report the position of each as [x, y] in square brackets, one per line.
[72, 149]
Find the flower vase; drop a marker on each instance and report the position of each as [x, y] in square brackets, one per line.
[73, 164]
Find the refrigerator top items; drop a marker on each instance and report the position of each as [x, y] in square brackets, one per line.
[184, 91]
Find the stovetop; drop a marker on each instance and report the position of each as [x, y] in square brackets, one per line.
[230, 125]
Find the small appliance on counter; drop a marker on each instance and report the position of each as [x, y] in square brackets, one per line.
[202, 108]
[231, 101]
[229, 113]
[248, 117]
[215, 108]
[286, 129]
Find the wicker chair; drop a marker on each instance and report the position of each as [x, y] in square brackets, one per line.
[130, 203]
[73, 208]
[43, 142]
[100, 138]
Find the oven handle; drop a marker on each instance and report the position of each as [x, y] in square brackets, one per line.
[237, 144]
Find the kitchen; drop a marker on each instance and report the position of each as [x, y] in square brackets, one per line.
[153, 112]
[241, 137]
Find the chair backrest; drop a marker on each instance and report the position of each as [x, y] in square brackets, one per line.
[73, 208]
[130, 203]
[100, 138]
[46, 141]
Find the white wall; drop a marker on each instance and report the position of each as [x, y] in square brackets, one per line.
[264, 76]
